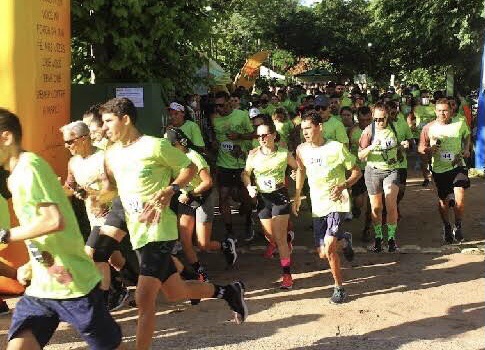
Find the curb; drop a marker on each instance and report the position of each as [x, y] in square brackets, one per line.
[405, 249]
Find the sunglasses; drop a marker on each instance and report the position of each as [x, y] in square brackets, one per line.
[378, 120]
[263, 136]
[318, 108]
[70, 142]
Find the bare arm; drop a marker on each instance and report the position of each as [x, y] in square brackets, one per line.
[48, 221]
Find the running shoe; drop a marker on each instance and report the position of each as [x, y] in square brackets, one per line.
[270, 250]
[117, 298]
[4, 310]
[447, 234]
[458, 234]
[202, 274]
[287, 281]
[229, 250]
[234, 295]
[377, 248]
[391, 245]
[339, 295]
[348, 250]
[290, 237]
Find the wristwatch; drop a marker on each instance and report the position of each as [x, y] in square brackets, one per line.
[4, 236]
[175, 188]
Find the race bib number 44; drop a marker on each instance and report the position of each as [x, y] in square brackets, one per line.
[447, 156]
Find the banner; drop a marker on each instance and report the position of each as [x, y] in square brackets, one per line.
[250, 71]
[480, 142]
[35, 77]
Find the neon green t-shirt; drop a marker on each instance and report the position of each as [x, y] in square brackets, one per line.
[192, 130]
[201, 164]
[345, 102]
[335, 131]
[284, 129]
[337, 116]
[269, 170]
[60, 267]
[269, 109]
[4, 214]
[140, 170]
[403, 132]
[384, 155]
[355, 134]
[450, 136]
[424, 115]
[232, 154]
[290, 105]
[325, 168]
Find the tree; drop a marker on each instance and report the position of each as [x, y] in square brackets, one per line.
[140, 40]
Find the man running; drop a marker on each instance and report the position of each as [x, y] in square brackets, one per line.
[447, 142]
[325, 163]
[142, 167]
[65, 283]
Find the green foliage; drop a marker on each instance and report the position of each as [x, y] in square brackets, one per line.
[432, 78]
[139, 40]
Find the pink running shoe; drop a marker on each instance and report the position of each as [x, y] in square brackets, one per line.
[287, 282]
[270, 250]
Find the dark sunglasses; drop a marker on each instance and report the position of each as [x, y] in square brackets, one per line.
[70, 142]
[380, 119]
[318, 108]
[263, 136]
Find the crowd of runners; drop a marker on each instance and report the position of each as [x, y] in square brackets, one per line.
[342, 147]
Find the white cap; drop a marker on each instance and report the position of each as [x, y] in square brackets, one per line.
[177, 107]
[254, 112]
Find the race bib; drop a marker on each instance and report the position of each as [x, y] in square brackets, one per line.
[227, 146]
[133, 205]
[267, 183]
[447, 156]
[388, 143]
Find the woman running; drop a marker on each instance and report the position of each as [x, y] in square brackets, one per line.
[196, 208]
[268, 162]
[379, 145]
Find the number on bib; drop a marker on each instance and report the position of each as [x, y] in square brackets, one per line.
[227, 146]
[133, 205]
[447, 156]
[267, 183]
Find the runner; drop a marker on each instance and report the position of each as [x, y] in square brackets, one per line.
[196, 209]
[84, 181]
[65, 283]
[332, 128]
[268, 162]
[142, 166]
[178, 120]
[447, 142]
[379, 146]
[234, 133]
[325, 163]
[359, 190]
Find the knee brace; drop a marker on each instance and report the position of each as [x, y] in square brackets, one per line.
[104, 247]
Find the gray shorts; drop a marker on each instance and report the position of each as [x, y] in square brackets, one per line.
[377, 179]
[204, 213]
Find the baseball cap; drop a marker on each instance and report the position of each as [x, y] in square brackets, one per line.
[254, 112]
[176, 107]
[321, 100]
